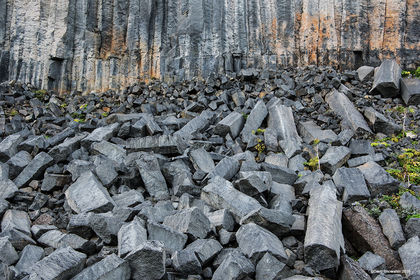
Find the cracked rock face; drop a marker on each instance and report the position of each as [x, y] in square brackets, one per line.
[67, 45]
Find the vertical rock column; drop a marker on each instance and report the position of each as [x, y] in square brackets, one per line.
[324, 239]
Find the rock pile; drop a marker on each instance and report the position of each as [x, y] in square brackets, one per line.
[257, 176]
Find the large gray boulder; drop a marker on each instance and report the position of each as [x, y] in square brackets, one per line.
[8, 254]
[191, 221]
[387, 79]
[391, 227]
[152, 176]
[254, 121]
[324, 238]
[410, 257]
[410, 91]
[130, 236]
[351, 183]
[34, 169]
[109, 268]
[378, 180]
[232, 123]
[87, 194]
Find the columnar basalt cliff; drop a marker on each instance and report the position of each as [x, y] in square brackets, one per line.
[86, 45]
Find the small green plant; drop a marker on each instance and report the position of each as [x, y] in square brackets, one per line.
[40, 94]
[14, 112]
[405, 73]
[313, 163]
[64, 105]
[105, 114]
[79, 120]
[376, 144]
[83, 107]
[417, 72]
[245, 116]
[374, 211]
[415, 215]
[394, 201]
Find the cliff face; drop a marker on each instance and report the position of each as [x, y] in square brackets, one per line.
[100, 44]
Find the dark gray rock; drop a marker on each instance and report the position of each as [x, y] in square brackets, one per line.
[111, 267]
[34, 169]
[163, 144]
[87, 194]
[232, 123]
[355, 162]
[226, 168]
[409, 254]
[361, 147]
[32, 143]
[106, 226]
[130, 198]
[191, 221]
[350, 269]
[4, 171]
[18, 162]
[391, 227]
[410, 91]
[178, 174]
[324, 239]
[100, 134]
[8, 189]
[234, 266]
[29, 256]
[301, 182]
[270, 268]
[252, 185]
[220, 194]
[281, 120]
[8, 254]
[310, 131]
[105, 169]
[351, 183]
[334, 158]
[78, 224]
[254, 121]
[380, 123]
[254, 241]
[205, 249]
[186, 262]
[8, 147]
[202, 160]
[63, 150]
[277, 159]
[109, 150]
[378, 180]
[63, 263]
[412, 227]
[53, 181]
[16, 219]
[18, 239]
[350, 116]
[196, 125]
[277, 221]
[365, 73]
[221, 219]
[173, 240]
[409, 201]
[38, 230]
[147, 261]
[369, 261]
[387, 79]
[130, 236]
[281, 175]
[57, 239]
[152, 177]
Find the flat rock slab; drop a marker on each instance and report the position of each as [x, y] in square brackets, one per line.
[369, 261]
[87, 194]
[410, 91]
[254, 241]
[205, 249]
[191, 221]
[99, 134]
[410, 257]
[17, 220]
[63, 263]
[387, 79]
[334, 158]
[18, 162]
[270, 268]
[232, 123]
[162, 144]
[8, 189]
[63, 150]
[130, 236]
[254, 121]
[351, 182]
[34, 169]
[8, 147]
[350, 269]
[226, 168]
[282, 121]
[391, 227]
[8, 254]
[380, 123]
[310, 131]
[29, 256]
[109, 268]
[202, 160]
[110, 150]
[365, 72]
[234, 266]
[324, 238]
[378, 180]
[350, 116]
[221, 194]
[198, 124]
[365, 234]
[173, 240]
[152, 176]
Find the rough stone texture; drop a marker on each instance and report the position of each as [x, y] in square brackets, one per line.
[378, 180]
[173, 240]
[29, 256]
[34, 169]
[387, 79]
[8, 254]
[410, 257]
[152, 177]
[351, 270]
[351, 183]
[345, 109]
[111, 267]
[131, 236]
[234, 266]
[110, 45]
[365, 234]
[232, 123]
[270, 268]
[205, 249]
[334, 158]
[88, 194]
[412, 227]
[191, 221]
[380, 123]
[7, 189]
[63, 263]
[365, 72]
[410, 91]
[324, 238]
[254, 121]
[17, 220]
[370, 261]
[220, 194]
[391, 227]
[254, 241]
[148, 261]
